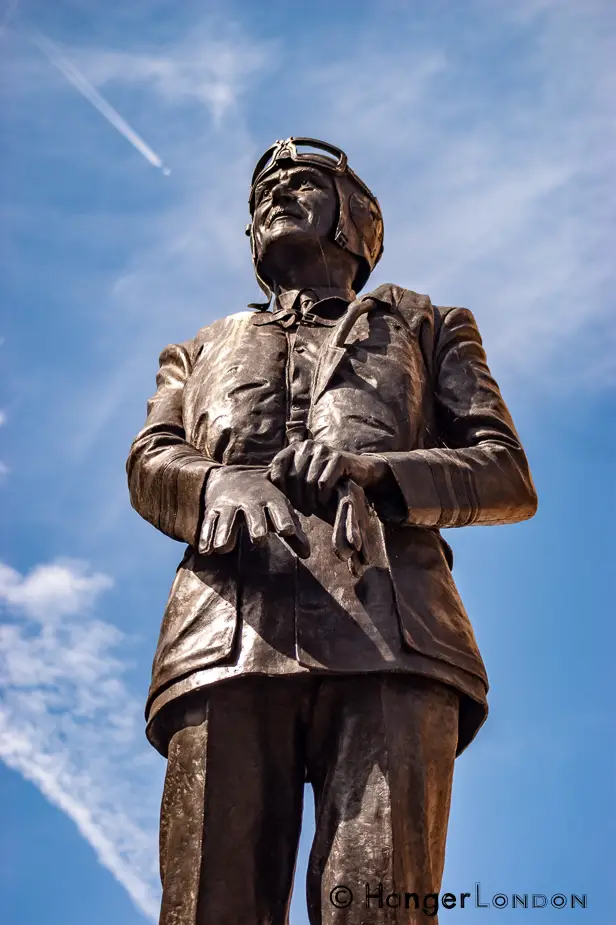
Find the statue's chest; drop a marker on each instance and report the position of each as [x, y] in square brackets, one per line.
[235, 399]
[252, 385]
[373, 398]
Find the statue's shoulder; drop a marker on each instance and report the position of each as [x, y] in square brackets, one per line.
[413, 305]
[397, 295]
[220, 326]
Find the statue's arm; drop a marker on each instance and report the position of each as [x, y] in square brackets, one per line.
[166, 474]
[479, 474]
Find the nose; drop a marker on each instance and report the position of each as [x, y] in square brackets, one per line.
[282, 192]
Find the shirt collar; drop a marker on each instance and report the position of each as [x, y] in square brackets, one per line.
[289, 299]
[327, 309]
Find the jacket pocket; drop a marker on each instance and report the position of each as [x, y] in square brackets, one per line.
[432, 617]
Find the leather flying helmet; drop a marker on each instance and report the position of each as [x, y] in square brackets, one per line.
[359, 228]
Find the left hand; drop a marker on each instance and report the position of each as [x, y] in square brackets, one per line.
[308, 472]
[350, 535]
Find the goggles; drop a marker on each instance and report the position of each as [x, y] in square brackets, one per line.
[319, 154]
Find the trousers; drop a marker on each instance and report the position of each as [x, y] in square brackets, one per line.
[379, 752]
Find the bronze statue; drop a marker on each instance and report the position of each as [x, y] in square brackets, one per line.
[309, 454]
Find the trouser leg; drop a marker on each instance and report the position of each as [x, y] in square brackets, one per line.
[380, 757]
[232, 804]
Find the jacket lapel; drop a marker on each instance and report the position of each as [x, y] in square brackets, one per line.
[334, 350]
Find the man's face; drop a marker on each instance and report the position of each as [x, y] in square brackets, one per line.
[293, 203]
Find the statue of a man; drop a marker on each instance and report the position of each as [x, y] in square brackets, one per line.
[309, 455]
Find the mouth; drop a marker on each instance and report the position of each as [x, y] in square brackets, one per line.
[282, 212]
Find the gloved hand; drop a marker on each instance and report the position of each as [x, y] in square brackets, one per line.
[308, 472]
[236, 495]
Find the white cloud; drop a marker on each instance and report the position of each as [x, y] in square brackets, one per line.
[51, 591]
[2, 417]
[68, 722]
[212, 67]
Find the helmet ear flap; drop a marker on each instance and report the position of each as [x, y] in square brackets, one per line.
[360, 227]
[367, 219]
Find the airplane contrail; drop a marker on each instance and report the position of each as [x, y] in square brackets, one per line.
[59, 60]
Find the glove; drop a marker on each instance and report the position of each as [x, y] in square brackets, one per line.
[237, 496]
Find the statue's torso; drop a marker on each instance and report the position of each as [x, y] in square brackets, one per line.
[251, 387]
[247, 378]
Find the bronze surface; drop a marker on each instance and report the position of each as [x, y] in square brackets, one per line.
[309, 456]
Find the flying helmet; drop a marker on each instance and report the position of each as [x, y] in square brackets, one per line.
[359, 229]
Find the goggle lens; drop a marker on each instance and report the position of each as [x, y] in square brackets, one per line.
[317, 151]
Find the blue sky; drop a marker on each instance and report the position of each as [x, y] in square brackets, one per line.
[486, 129]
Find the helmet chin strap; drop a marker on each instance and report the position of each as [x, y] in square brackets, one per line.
[259, 306]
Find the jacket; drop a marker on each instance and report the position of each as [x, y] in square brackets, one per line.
[405, 380]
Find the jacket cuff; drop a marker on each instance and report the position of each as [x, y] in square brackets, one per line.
[182, 503]
[415, 479]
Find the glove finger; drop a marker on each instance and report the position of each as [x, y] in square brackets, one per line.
[312, 480]
[227, 530]
[298, 470]
[327, 480]
[279, 467]
[208, 530]
[340, 542]
[281, 517]
[287, 524]
[256, 521]
[352, 528]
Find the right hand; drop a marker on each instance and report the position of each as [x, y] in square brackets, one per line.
[235, 496]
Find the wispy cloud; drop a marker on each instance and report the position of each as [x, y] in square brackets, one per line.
[83, 85]
[68, 722]
[213, 67]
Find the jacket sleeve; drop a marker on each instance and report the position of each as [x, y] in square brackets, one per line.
[166, 474]
[479, 473]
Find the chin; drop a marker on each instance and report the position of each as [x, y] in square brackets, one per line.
[283, 238]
